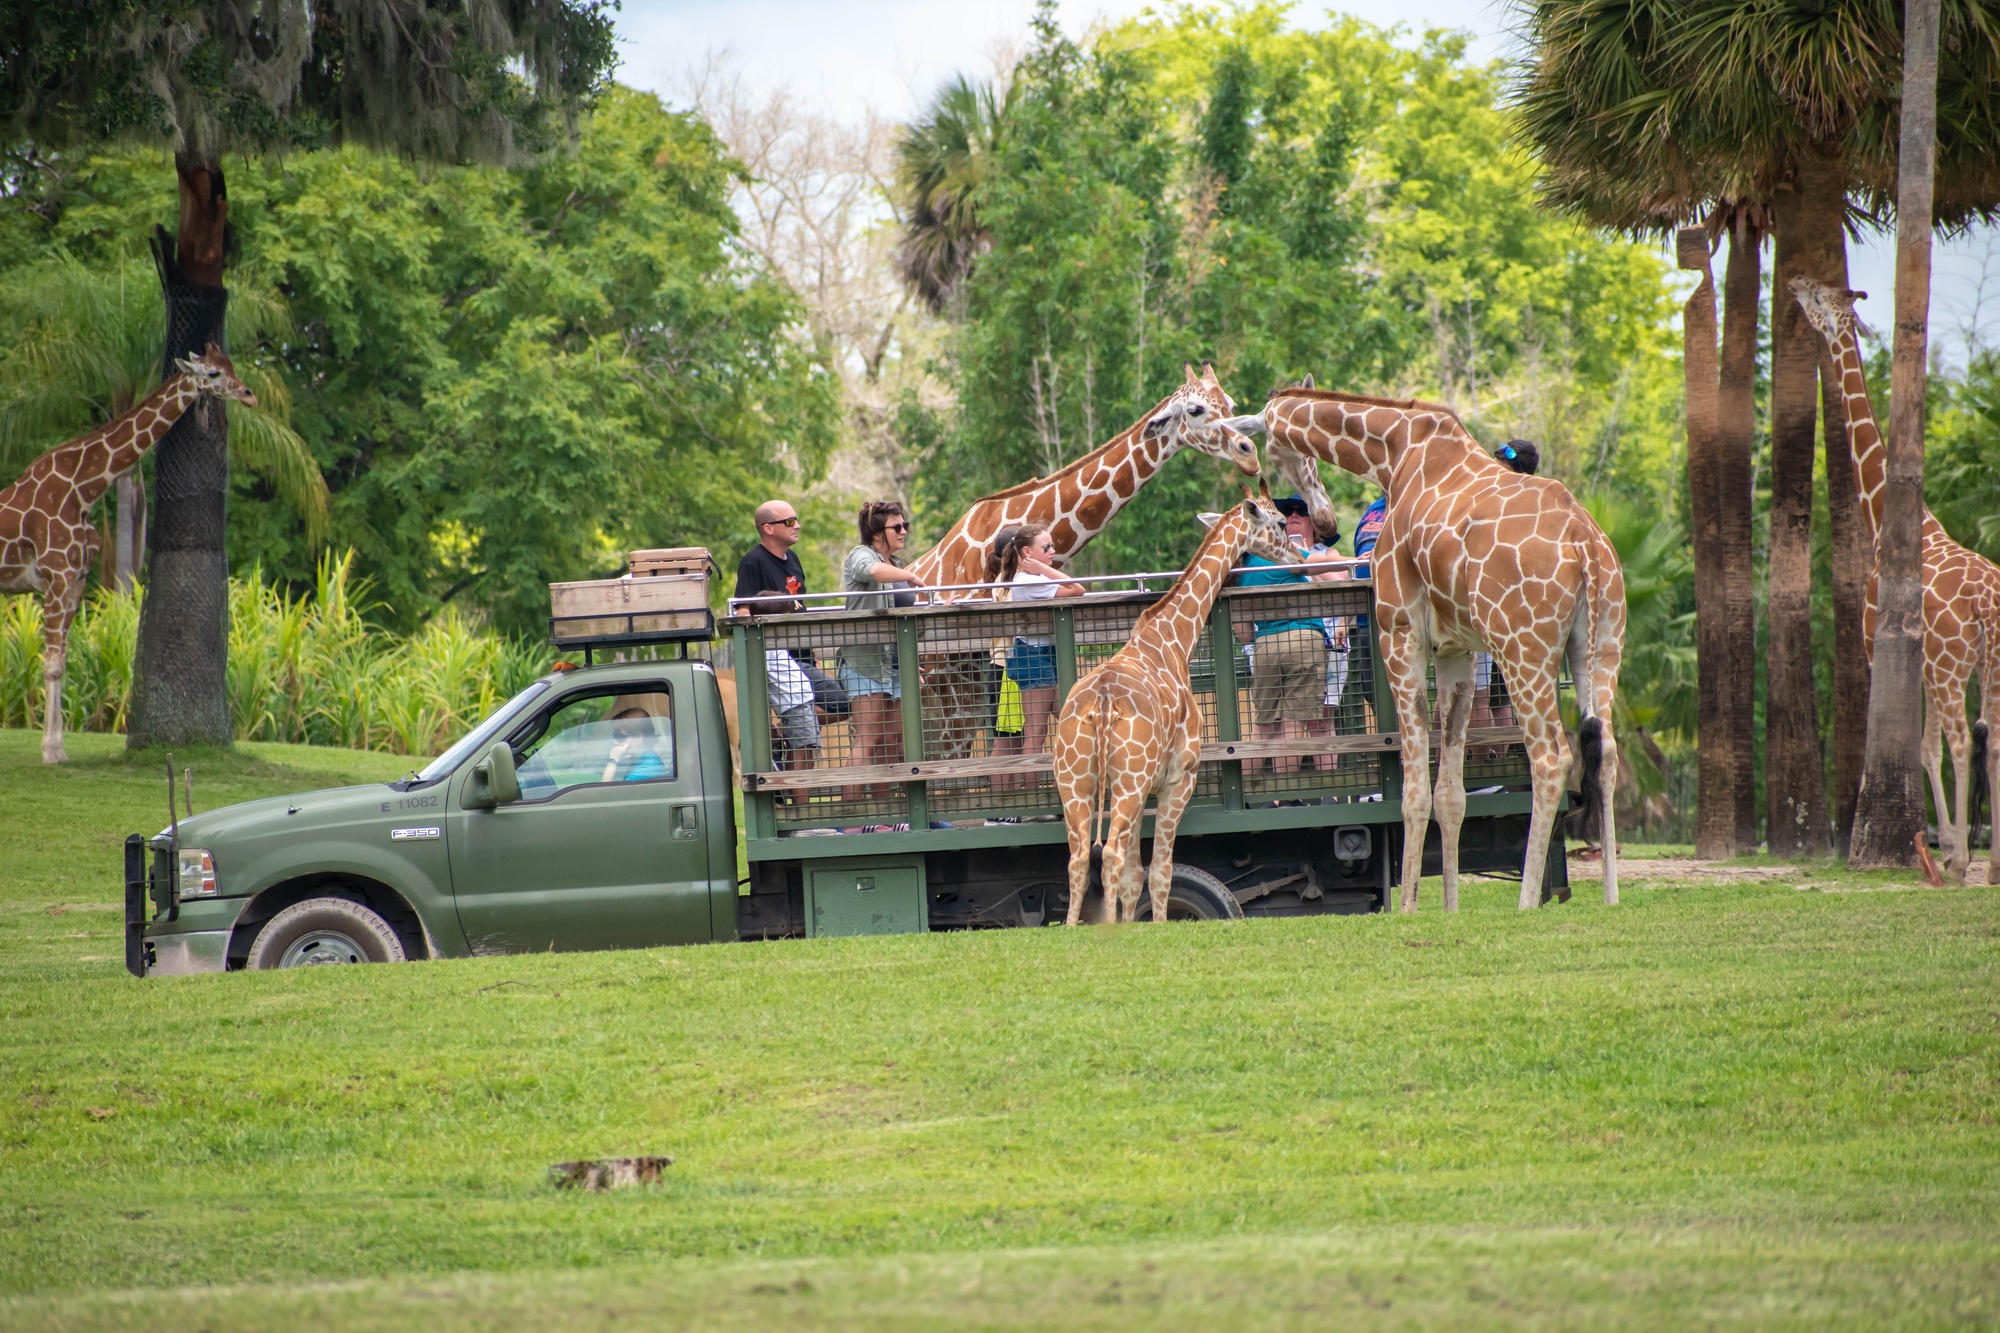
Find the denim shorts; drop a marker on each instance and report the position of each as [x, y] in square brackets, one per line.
[1032, 665]
[858, 684]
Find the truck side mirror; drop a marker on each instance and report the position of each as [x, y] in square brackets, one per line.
[494, 779]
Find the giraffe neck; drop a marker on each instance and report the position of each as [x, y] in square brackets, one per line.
[106, 454]
[1101, 475]
[1370, 437]
[1864, 437]
[1172, 625]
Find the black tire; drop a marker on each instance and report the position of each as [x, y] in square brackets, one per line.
[322, 931]
[1196, 895]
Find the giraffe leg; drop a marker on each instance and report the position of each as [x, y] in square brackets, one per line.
[1989, 713]
[1933, 744]
[1403, 663]
[1076, 784]
[1176, 788]
[1958, 740]
[1121, 847]
[59, 602]
[1454, 692]
[1548, 762]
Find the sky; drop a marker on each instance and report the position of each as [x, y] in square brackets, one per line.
[852, 55]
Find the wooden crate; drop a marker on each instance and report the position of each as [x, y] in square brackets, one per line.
[670, 605]
[668, 560]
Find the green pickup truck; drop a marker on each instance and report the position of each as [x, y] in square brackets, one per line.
[598, 808]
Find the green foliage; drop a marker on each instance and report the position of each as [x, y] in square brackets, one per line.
[1962, 469]
[1214, 186]
[307, 669]
[507, 377]
[444, 81]
[80, 344]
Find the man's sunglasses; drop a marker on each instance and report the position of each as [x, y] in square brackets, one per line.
[782, 523]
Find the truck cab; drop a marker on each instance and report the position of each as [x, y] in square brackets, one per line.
[591, 811]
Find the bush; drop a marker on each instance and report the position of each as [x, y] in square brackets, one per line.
[307, 669]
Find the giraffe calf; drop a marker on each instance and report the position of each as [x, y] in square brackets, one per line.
[1132, 728]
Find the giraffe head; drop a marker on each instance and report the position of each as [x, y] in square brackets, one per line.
[1259, 527]
[1196, 416]
[1829, 311]
[215, 374]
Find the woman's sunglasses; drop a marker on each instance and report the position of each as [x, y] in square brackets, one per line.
[895, 527]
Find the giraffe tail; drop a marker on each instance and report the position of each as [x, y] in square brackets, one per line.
[1588, 633]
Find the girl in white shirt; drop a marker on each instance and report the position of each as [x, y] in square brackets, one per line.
[1025, 558]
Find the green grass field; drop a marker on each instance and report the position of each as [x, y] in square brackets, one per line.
[1765, 1104]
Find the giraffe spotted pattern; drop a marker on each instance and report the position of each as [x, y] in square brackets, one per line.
[1133, 728]
[47, 543]
[1961, 592]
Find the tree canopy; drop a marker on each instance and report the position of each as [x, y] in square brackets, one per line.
[508, 376]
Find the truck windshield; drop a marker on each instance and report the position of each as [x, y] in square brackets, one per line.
[479, 735]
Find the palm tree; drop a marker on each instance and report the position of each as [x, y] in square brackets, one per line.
[86, 346]
[1890, 819]
[1649, 112]
[941, 160]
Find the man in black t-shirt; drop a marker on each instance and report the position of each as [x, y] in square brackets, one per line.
[772, 567]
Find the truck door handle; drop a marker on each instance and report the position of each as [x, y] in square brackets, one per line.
[687, 821]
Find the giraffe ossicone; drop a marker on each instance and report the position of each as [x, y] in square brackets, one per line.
[1133, 728]
[47, 542]
[1472, 557]
[1961, 591]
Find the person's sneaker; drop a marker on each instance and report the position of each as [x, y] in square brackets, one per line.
[1005, 819]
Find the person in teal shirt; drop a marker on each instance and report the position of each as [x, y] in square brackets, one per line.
[1287, 657]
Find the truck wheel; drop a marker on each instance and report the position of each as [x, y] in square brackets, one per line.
[1196, 895]
[320, 931]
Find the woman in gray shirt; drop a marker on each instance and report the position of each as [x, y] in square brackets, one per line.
[868, 670]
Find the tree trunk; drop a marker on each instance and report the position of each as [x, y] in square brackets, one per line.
[1889, 817]
[130, 539]
[1852, 557]
[180, 688]
[1736, 427]
[1794, 767]
[1715, 776]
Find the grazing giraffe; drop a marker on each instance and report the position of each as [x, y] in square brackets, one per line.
[1961, 591]
[1076, 503]
[46, 539]
[1132, 726]
[1474, 557]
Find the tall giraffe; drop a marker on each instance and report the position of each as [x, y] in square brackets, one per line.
[46, 539]
[1080, 501]
[1961, 591]
[1474, 557]
[1076, 503]
[1132, 726]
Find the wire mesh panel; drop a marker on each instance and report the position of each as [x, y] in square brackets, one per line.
[1304, 679]
[943, 714]
[836, 680]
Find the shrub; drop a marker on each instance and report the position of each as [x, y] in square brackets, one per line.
[307, 669]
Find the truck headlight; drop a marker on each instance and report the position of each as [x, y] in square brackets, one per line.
[197, 873]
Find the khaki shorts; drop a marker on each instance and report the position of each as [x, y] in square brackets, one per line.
[1288, 677]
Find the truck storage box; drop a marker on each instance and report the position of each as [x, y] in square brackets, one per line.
[872, 897]
[668, 560]
[630, 610]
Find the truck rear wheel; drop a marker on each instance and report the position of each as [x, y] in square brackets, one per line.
[323, 931]
[1196, 895]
